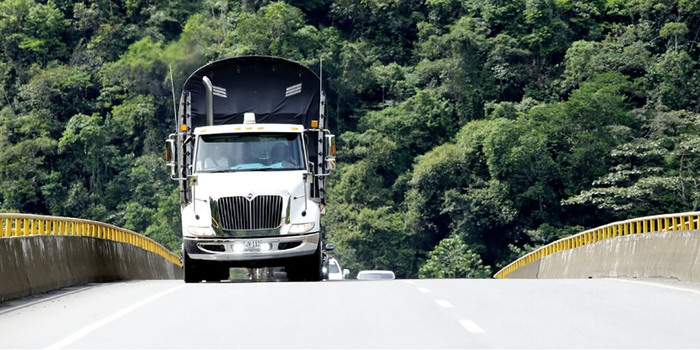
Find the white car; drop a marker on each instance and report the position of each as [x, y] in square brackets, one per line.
[334, 270]
[376, 275]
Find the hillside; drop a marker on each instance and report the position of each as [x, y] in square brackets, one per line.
[469, 131]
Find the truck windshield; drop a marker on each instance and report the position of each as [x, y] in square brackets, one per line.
[249, 152]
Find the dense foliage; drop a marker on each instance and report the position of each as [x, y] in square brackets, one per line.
[469, 131]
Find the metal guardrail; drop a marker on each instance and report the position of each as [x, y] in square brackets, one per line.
[649, 224]
[15, 225]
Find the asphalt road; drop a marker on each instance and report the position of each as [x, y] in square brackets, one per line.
[597, 313]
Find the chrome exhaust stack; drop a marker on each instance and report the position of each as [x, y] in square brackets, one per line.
[209, 99]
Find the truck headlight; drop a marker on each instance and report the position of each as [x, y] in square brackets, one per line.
[301, 228]
[200, 231]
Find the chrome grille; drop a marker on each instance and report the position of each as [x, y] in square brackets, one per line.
[261, 213]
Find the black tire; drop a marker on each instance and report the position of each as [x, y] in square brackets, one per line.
[191, 273]
[324, 267]
[216, 272]
[313, 269]
[306, 268]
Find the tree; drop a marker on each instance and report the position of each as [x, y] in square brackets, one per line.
[455, 64]
[674, 30]
[414, 126]
[452, 258]
[448, 166]
[25, 148]
[625, 53]
[585, 128]
[657, 172]
[674, 82]
[367, 238]
[277, 29]
[31, 32]
[388, 25]
[88, 138]
[140, 70]
[548, 34]
[164, 225]
[57, 93]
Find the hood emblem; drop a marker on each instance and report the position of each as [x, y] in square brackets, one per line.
[250, 197]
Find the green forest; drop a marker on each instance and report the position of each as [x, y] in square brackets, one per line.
[469, 131]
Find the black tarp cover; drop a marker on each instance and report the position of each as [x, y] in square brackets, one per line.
[277, 90]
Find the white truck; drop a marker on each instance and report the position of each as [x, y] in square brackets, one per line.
[251, 155]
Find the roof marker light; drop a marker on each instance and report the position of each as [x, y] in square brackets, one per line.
[248, 118]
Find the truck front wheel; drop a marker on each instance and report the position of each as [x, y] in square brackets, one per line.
[191, 270]
[216, 272]
[307, 268]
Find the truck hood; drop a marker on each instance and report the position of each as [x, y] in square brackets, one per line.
[249, 183]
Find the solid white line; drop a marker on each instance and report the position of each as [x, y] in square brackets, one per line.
[444, 303]
[470, 326]
[22, 306]
[92, 327]
[665, 286]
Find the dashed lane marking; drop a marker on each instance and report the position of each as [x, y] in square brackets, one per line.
[470, 326]
[444, 303]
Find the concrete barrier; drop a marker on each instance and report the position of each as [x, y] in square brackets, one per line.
[674, 254]
[38, 264]
[530, 270]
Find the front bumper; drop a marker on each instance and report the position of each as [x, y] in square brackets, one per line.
[248, 250]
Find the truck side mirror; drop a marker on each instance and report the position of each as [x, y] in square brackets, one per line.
[329, 151]
[170, 156]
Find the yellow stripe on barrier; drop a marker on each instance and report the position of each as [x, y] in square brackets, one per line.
[13, 225]
[657, 223]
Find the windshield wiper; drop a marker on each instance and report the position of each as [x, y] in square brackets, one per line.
[261, 169]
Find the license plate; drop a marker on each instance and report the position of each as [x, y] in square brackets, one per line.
[252, 245]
